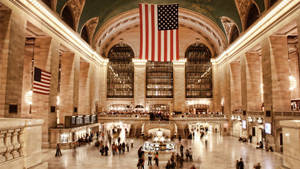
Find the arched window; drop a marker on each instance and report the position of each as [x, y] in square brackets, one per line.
[85, 34]
[198, 71]
[159, 80]
[234, 33]
[253, 15]
[68, 17]
[48, 3]
[120, 73]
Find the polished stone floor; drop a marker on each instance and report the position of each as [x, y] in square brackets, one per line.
[220, 153]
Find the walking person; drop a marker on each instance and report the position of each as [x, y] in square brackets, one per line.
[241, 163]
[257, 166]
[127, 146]
[149, 158]
[237, 165]
[58, 151]
[156, 159]
[181, 150]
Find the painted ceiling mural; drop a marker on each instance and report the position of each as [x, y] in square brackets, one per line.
[106, 9]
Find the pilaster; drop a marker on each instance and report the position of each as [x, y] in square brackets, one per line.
[179, 85]
[140, 82]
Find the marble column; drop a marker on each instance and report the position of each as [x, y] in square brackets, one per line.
[235, 83]
[67, 92]
[140, 82]
[251, 81]
[40, 102]
[13, 63]
[54, 68]
[103, 86]
[4, 51]
[179, 85]
[275, 67]
[216, 88]
[94, 87]
[84, 88]
[224, 78]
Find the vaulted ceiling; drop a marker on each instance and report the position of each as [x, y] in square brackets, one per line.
[89, 17]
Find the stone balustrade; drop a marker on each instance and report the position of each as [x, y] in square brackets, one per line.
[20, 143]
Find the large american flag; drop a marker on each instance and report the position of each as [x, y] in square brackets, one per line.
[41, 81]
[159, 32]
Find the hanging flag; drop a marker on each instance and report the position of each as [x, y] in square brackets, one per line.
[41, 81]
[159, 32]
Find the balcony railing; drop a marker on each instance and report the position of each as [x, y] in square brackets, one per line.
[20, 140]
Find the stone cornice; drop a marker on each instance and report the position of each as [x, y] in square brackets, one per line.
[54, 24]
[263, 28]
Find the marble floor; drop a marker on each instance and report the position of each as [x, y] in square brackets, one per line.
[220, 153]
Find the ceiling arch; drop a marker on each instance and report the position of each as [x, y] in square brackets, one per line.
[195, 22]
[107, 9]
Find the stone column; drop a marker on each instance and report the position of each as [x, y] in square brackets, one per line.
[139, 82]
[14, 63]
[275, 68]
[216, 88]
[4, 51]
[294, 73]
[251, 82]
[224, 78]
[179, 85]
[94, 87]
[84, 88]
[54, 53]
[103, 86]
[235, 83]
[67, 85]
[40, 102]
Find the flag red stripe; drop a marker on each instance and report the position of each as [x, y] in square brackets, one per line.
[44, 82]
[46, 90]
[159, 46]
[41, 85]
[153, 32]
[171, 45]
[41, 93]
[43, 74]
[141, 31]
[45, 79]
[166, 45]
[177, 45]
[147, 30]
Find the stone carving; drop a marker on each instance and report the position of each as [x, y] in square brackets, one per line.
[243, 7]
[228, 24]
[76, 7]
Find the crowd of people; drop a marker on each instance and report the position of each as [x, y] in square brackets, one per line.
[105, 142]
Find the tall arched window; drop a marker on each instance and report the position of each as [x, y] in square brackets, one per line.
[85, 34]
[234, 33]
[198, 71]
[159, 80]
[120, 73]
[68, 17]
[253, 15]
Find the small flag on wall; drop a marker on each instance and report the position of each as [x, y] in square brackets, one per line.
[41, 81]
[159, 32]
